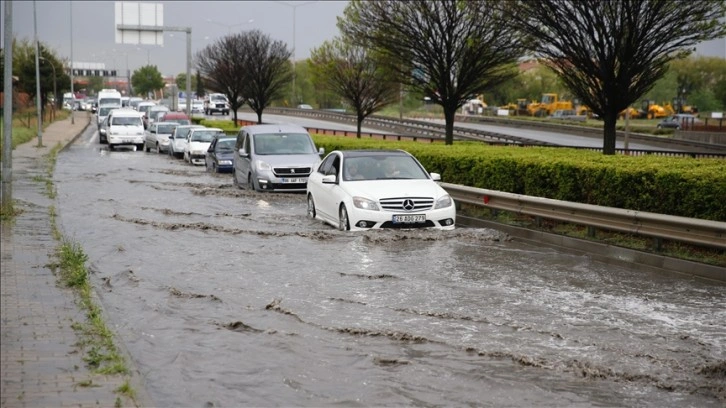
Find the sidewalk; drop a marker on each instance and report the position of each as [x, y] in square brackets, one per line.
[40, 364]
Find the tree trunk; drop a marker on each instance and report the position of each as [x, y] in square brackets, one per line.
[360, 122]
[235, 108]
[609, 132]
[449, 116]
[259, 117]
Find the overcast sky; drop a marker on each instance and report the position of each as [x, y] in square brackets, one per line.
[94, 32]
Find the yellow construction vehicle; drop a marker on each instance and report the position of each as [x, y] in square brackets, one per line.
[550, 103]
[680, 105]
[634, 113]
[651, 110]
[474, 106]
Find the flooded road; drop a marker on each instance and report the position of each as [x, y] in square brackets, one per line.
[229, 298]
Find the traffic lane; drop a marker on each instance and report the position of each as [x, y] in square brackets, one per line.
[562, 139]
[228, 297]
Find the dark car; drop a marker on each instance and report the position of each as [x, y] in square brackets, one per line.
[220, 154]
[678, 121]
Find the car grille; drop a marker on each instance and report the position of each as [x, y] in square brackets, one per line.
[291, 171]
[220, 106]
[390, 224]
[409, 204]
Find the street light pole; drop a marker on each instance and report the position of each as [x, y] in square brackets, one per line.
[37, 79]
[73, 93]
[294, 54]
[229, 26]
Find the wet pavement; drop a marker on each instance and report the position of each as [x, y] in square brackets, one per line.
[226, 297]
[41, 362]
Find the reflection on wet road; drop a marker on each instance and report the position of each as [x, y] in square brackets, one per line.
[226, 297]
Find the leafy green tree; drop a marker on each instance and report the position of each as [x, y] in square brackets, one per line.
[147, 79]
[50, 67]
[610, 53]
[449, 50]
[181, 82]
[355, 76]
[95, 84]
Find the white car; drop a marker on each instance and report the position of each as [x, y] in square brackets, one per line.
[198, 141]
[371, 189]
[157, 136]
[178, 140]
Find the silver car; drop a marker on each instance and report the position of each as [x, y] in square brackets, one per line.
[157, 136]
[274, 158]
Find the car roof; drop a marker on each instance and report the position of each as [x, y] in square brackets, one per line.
[176, 114]
[165, 123]
[274, 128]
[190, 126]
[372, 152]
[208, 128]
[125, 112]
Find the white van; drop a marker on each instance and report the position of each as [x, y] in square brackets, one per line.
[125, 127]
[109, 97]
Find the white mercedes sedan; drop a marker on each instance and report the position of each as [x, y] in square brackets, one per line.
[372, 189]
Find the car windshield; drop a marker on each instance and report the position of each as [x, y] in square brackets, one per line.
[127, 121]
[381, 168]
[218, 98]
[204, 135]
[165, 129]
[103, 111]
[225, 145]
[283, 143]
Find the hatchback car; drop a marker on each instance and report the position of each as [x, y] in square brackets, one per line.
[157, 136]
[274, 158]
[373, 189]
[178, 140]
[198, 141]
[220, 154]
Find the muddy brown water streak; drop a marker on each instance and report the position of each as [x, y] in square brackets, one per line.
[226, 297]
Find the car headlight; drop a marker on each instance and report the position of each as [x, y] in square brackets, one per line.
[444, 202]
[262, 166]
[225, 162]
[365, 204]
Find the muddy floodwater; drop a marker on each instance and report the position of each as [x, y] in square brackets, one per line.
[229, 298]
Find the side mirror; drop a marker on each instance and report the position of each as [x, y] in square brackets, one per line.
[329, 179]
[435, 176]
[242, 153]
[102, 131]
[321, 151]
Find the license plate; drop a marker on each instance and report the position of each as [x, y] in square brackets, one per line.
[128, 140]
[294, 180]
[409, 219]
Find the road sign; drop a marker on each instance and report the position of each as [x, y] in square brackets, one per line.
[147, 20]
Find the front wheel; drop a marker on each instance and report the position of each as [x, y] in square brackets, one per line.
[146, 148]
[311, 207]
[250, 183]
[343, 222]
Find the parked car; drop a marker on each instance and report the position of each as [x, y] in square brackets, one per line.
[157, 136]
[178, 140]
[274, 158]
[178, 117]
[678, 121]
[220, 155]
[198, 141]
[125, 127]
[304, 106]
[373, 189]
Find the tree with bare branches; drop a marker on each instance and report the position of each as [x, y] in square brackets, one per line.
[449, 50]
[221, 64]
[353, 74]
[268, 70]
[610, 53]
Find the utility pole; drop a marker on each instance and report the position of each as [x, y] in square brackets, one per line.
[38, 96]
[73, 93]
[6, 193]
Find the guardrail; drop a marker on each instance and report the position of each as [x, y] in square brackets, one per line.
[659, 226]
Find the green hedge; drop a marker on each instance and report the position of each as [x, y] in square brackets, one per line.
[687, 187]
